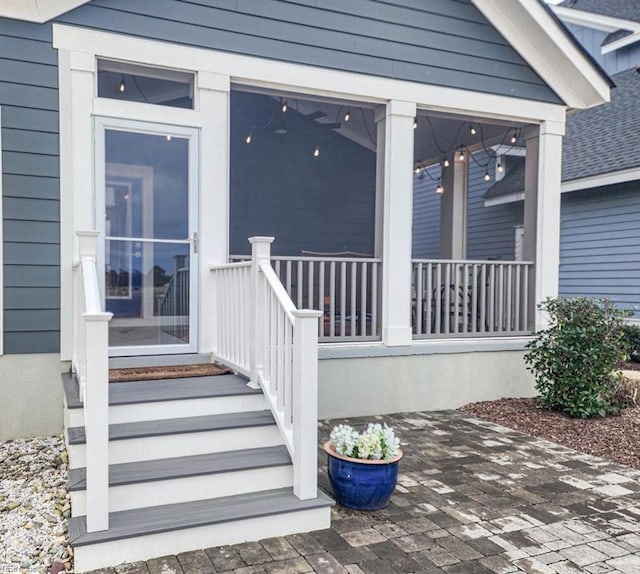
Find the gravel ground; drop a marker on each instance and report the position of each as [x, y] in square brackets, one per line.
[34, 505]
[615, 438]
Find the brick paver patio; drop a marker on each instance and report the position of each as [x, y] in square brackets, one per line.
[472, 498]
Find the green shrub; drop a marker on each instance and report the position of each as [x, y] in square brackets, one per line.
[574, 359]
[632, 339]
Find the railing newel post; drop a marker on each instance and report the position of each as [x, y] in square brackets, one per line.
[305, 404]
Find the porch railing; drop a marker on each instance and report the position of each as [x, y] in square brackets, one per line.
[261, 333]
[345, 290]
[471, 298]
[91, 366]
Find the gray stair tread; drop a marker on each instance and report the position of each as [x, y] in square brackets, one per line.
[157, 519]
[71, 391]
[159, 390]
[178, 389]
[124, 431]
[184, 466]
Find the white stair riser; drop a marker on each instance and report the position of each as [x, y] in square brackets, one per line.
[163, 410]
[145, 547]
[186, 444]
[186, 489]
[186, 408]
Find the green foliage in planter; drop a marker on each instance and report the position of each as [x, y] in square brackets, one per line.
[632, 339]
[574, 359]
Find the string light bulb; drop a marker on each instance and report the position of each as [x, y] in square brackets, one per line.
[514, 138]
[249, 138]
[487, 177]
[316, 152]
[415, 123]
[461, 154]
[347, 116]
[440, 188]
[473, 131]
[123, 86]
[284, 106]
[446, 162]
[500, 167]
[168, 137]
[417, 169]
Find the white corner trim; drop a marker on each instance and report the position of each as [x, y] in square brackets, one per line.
[310, 80]
[621, 43]
[39, 11]
[504, 199]
[595, 21]
[601, 180]
[532, 31]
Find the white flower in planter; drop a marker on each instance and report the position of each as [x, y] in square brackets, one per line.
[376, 443]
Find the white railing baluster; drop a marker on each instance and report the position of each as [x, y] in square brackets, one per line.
[363, 299]
[470, 298]
[374, 298]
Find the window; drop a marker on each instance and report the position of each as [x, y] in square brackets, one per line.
[133, 83]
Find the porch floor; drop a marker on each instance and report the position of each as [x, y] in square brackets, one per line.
[472, 498]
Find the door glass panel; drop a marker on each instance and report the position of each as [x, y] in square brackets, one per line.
[147, 248]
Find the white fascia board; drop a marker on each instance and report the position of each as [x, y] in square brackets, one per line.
[509, 150]
[534, 34]
[621, 43]
[39, 11]
[591, 182]
[595, 21]
[504, 199]
[602, 180]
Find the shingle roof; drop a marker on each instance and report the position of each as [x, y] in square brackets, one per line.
[599, 140]
[617, 35]
[513, 180]
[623, 9]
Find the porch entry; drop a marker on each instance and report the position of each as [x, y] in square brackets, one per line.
[146, 204]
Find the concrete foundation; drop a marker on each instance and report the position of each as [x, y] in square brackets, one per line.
[30, 395]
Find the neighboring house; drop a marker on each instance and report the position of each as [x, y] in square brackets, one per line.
[143, 144]
[600, 237]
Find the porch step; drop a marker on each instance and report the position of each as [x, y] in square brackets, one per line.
[186, 436]
[187, 478]
[168, 398]
[138, 534]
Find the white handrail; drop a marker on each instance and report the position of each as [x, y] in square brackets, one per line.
[261, 333]
[91, 365]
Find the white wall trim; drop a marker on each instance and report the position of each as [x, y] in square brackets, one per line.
[37, 10]
[509, 150]
[558, 61]
[260, 72]
[503, 199]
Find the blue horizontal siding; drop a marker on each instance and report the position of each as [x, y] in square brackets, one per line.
[441, 42]
[426, 215]
[600, 245]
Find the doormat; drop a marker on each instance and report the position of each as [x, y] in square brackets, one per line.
[167, 372]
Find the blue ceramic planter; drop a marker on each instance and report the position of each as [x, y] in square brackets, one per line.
[360, 484]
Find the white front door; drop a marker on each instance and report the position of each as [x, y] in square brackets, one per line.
[146, 207]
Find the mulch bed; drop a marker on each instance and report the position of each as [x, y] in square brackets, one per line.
[615, 438]
[167, 372]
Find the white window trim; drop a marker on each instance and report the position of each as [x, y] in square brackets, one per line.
[78, 52]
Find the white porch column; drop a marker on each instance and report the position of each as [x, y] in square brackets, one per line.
[213, 208]
[453, 209]
[398, 216]
[541, 243]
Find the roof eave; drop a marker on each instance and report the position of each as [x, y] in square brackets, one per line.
[558, 59]
[38, 11]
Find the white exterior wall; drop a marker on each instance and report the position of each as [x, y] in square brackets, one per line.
[391, 384]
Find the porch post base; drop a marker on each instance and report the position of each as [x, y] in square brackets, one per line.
[397, 336]
[255, 385]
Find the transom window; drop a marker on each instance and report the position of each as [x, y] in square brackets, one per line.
[134, 83]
